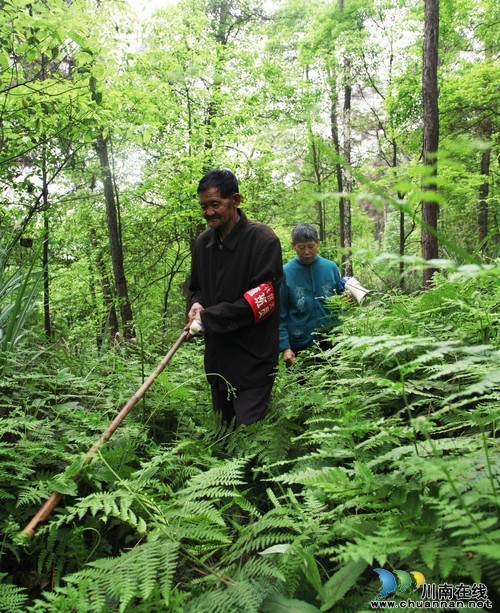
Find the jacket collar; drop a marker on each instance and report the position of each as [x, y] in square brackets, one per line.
[231, 240]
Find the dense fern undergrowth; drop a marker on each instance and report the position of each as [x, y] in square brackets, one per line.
[380, 452]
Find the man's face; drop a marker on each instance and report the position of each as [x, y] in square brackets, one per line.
[306, 251]
[219, 213]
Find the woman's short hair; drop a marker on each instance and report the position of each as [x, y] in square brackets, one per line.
[304, 233]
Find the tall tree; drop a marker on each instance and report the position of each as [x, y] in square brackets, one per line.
[348, 183]
[115, 237]
[337, 39]
[45, 257]
[47, 52]
[110, 320]
[334, 133]
[430, 208]
[484, 188]
[469, 103]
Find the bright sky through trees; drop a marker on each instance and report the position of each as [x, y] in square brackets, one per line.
[144, 7]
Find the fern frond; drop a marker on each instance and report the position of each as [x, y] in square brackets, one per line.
[230, 473]
[239, 597]
[12, 597]
[195, 511]
[135, 574]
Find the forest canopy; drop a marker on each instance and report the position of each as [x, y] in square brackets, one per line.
[378, 123]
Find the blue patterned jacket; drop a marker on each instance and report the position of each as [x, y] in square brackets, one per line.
[302, 298]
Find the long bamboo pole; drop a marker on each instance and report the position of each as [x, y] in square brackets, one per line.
[55, 497]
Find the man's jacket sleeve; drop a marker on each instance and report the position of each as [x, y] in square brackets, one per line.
[227, 317]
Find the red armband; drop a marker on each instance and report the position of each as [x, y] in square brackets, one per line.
[261, 301]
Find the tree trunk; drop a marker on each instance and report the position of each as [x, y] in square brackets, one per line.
[334, 126]
[430, 209]
[482, 217]
[319, 201]
[220, 20]
[107, 293]
[45, 256]
[340, 186]
[334, 130]
[45, 209]
[402, 240]
[402, 236]
[346, 259]
[46, 279]
[316, 166]
[115, 241]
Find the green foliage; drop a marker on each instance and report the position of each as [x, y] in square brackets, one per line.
[146, 570]
[12, 598]
[381, 453]
[18, 296]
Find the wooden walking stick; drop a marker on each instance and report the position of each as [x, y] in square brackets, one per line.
[55, 497]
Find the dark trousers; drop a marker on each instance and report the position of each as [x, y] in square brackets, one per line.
[248, 406]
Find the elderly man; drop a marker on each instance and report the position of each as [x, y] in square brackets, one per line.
[236, 270]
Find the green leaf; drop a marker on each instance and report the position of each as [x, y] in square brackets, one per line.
[75, 468]
[490, 551]
[311, 571]
[72, 405]
[275, 549]
[341, 582]
[65, 486]
[4, 59]
[63, 376]
[277, 603]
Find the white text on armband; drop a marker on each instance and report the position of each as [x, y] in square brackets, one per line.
[261, 300]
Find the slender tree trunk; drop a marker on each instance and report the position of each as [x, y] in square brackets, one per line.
[45, 209]
[319, 201]
[220, 22]
[402, 237]
[46, 279]
[334, 129]
[346, 260]
[111, 320]
[482, 217]
[340, 189]
[115, 241]
[45, 257]
[430, 209]
[107, 292]
[316, 164]
[401, 248]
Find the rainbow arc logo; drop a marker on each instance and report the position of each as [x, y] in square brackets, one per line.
[397, 582]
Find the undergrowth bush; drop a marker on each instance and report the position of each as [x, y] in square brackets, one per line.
[380, 452]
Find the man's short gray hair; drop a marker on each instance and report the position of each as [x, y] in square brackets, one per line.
[304, 233]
